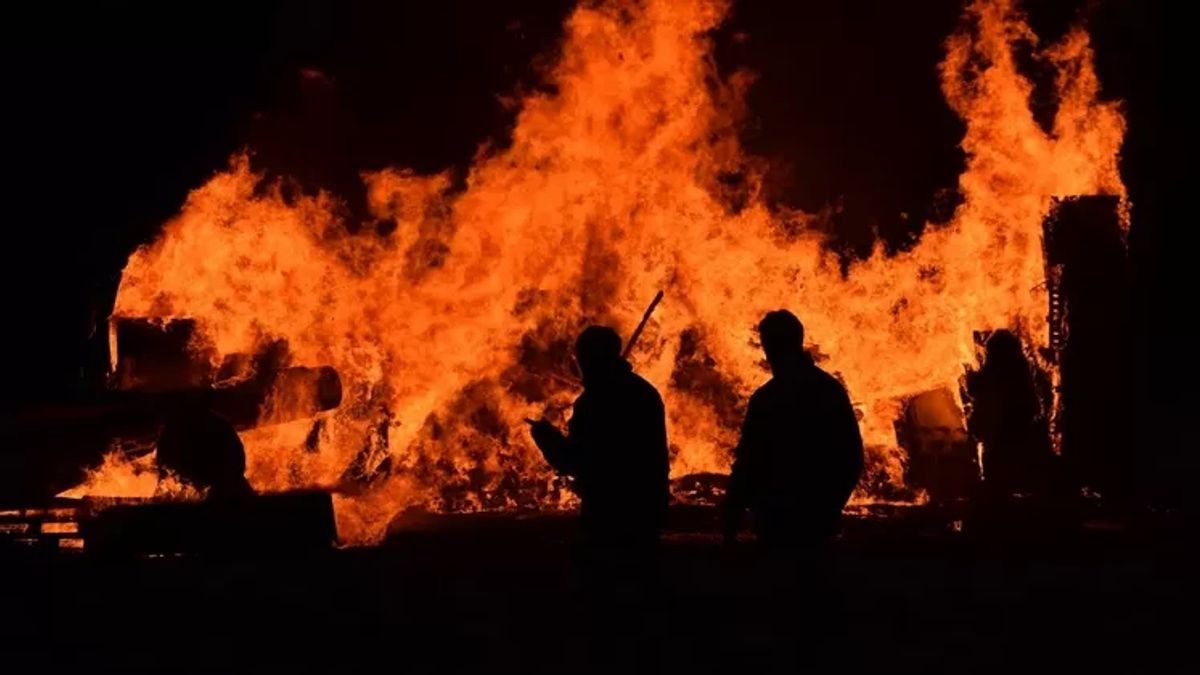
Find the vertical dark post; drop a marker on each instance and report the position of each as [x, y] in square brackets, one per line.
[1090, 330]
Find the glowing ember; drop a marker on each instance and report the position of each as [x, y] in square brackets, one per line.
[456, 325]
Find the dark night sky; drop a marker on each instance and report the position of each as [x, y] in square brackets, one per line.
[118, 109]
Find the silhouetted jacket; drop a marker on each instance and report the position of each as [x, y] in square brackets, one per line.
[799, 457]
[616, 449]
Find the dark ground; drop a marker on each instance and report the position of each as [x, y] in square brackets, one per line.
[498, 594]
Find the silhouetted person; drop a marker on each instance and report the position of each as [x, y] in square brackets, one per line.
[1006, 416]
[202, 448]
[800, 454]
[615, 448]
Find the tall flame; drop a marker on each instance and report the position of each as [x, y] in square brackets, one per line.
[455, 325]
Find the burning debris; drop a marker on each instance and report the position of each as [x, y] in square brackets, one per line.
[167, 429]
[942, 457]
[616, 181]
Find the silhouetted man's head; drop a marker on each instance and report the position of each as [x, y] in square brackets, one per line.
[782, 337]
[1004, 348]
[597, 350]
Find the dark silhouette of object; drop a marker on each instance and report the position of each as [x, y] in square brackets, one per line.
[1087, 260]
[616, 445]
[1006, 416]
[801, 452]
[943, 459]
[283, 524]
[202, 448]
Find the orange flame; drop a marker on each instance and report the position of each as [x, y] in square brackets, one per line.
[121, 475]
[451, 329]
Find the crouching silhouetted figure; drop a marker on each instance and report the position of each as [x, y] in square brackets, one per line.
[1006, 417]
[800, 453]
[202, 448]
[615, 448]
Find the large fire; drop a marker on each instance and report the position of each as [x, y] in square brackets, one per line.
[452, 326]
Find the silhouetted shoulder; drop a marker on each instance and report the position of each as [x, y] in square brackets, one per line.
[645, 391]
[832, 385]
[826, 384]
[763, 393]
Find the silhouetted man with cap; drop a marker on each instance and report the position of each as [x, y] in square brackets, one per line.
[800, 454]
[615, 448]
